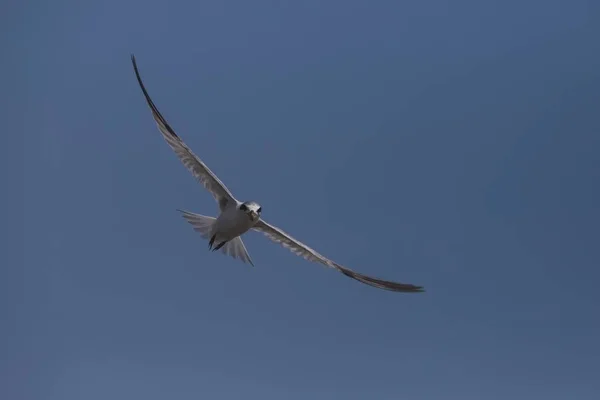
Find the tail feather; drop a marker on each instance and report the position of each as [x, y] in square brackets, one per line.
[204, 225]
[201, 223]
[236, 249]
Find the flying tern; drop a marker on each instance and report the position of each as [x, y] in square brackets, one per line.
[237, 217]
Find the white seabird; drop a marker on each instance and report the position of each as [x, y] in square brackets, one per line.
[237, 218]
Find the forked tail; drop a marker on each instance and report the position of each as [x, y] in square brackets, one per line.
[204, 225]
[201, 223]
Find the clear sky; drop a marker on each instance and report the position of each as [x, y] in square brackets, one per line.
[450, 144]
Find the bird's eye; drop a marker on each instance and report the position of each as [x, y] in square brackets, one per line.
[259, 210]
[243, 207]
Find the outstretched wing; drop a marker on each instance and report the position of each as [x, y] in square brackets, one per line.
[302, 250]
[200, 171]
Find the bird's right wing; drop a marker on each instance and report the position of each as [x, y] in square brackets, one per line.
[302, 250]
[200, 171]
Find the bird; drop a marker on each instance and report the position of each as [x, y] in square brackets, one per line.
[238, 217]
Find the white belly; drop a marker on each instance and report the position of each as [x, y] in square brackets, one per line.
[231, 224]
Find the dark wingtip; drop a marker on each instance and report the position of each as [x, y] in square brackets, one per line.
[157, 115]
[382, 284]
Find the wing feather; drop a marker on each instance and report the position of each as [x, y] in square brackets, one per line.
[302, 250]
[200, 171]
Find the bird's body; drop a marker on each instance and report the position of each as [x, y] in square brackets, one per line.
[232, 222]
[236, 218]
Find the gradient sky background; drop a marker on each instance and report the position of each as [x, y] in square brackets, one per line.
[452, 144]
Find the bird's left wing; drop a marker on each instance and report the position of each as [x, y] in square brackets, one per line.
[302, 250]
[200, 171]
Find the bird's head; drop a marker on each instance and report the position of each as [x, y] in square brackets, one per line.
[252, 209]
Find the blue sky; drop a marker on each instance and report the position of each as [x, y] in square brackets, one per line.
[448, 144]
